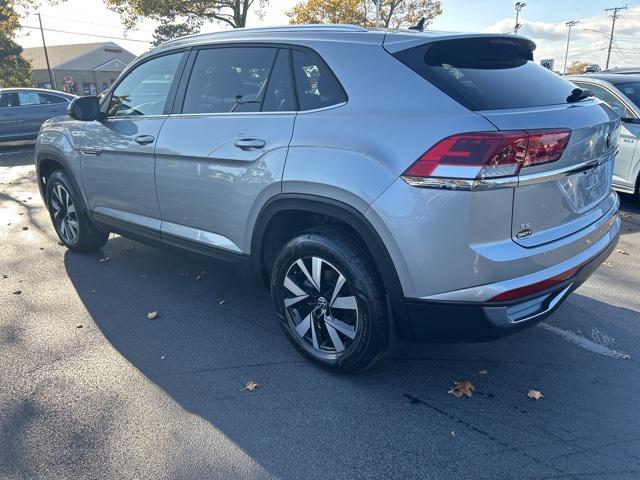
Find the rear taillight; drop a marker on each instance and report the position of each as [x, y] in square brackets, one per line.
[489, 154]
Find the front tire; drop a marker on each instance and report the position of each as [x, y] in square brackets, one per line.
[331, 304]
[69, 219]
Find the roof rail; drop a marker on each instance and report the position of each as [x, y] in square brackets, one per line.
[321, 27]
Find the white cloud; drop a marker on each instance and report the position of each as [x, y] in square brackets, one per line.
[589, 39]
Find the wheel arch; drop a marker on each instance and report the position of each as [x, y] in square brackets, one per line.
[292, 205]
[48, 162]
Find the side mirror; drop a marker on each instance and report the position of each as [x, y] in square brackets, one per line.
[85, 109]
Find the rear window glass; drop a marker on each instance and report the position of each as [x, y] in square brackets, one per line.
[487, 74]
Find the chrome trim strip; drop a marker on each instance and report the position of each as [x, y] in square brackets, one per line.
[133, 218]
[200, 236]
[504, 182]
[90, 153]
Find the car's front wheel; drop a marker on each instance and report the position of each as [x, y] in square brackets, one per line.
[329, 297]
[69, 219]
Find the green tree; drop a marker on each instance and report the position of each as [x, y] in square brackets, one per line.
[15, 71]
[177, 17]
[393, 13]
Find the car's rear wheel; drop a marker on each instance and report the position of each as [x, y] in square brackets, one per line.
[69, 219]
[327, 293]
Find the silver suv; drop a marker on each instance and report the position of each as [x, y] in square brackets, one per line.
[381, 183]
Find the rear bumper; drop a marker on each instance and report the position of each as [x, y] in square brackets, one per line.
[458, 321]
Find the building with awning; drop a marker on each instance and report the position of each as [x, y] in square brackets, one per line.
[81, 69]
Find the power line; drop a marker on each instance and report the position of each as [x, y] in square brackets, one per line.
[614, 16]
[87, 34]
[112, 25]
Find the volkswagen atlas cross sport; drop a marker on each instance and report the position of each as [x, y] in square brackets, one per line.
[382, 183]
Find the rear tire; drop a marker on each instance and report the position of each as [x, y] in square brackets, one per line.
[330, 301]
[73, 226]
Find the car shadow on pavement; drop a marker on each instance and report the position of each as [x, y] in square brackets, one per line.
[16, 154]
[215, 331]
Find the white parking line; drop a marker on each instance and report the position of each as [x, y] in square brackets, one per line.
[585, 342]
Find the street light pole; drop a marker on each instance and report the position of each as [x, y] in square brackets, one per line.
[569, 24]
[519, 6]
[52, 79]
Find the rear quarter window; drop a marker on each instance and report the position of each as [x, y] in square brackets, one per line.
[487, 73]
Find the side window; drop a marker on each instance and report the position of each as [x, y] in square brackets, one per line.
[606, 96]
[229, 79]
[315, 84]
[29, 98]
[279, 96]
[145, 89]
[8, 100]
[47, 99]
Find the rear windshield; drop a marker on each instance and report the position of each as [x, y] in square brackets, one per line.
[487, 73]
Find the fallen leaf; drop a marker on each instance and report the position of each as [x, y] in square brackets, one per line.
[5, 276]
[483, 372]
[250, 386]
[153, 315]
[20, 213]
[17, 292]
[41, 248]
[608, 264]
[25, 228]
[104, 260]
[535, 394]
[79, 325]
[622, 252]
[464, 387]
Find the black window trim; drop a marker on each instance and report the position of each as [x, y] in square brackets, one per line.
[106, 101]
[15, 98]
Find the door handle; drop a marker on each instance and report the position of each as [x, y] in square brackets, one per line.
[250, 144]
[145, 139]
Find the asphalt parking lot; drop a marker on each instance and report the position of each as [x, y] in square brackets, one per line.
[91, 388]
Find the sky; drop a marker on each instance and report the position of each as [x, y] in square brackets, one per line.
[543, 21]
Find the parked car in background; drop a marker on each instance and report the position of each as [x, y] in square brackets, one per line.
[23, 110]
[448, 188]
[622, 93]
[623, 70]
[593, 68]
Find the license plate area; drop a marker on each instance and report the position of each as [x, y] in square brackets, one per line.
[584, 190]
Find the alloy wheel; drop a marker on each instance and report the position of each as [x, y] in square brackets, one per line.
[320, 305]
[64, 214]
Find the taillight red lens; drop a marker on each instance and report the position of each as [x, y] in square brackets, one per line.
[546, 147]
[489, 154]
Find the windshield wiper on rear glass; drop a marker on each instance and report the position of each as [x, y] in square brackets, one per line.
[578, 94]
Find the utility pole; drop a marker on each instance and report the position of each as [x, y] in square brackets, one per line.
[519, 6]
[52, 79]
[614, 16]
[569, 24]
